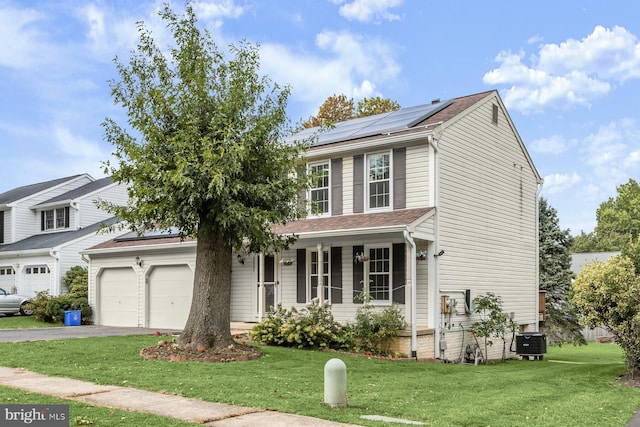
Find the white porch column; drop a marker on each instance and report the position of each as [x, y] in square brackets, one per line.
[261, 286]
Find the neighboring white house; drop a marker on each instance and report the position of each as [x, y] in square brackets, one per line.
[441, 199]
[44, 226]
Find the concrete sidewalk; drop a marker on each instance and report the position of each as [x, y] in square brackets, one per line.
[166, 405]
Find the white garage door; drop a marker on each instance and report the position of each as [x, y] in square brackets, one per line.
[35, 278]
[170, 290]
[117, 297]
[7, 277]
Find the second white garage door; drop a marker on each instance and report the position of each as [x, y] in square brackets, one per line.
[169, 296]
[118, 297]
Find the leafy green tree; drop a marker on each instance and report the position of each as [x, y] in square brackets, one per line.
[206, 154]
[618, 222]
[607, 294]
[493, 323]
[561, 323]
[375, 105]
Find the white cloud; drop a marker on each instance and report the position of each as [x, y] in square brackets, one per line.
[348, 63]
[571, 73]
[214, 12]
[23, 43]
[556, 183]
[554, 144]
[369, 10]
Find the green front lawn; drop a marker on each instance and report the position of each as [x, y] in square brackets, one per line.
[571, 386]
[23, 322]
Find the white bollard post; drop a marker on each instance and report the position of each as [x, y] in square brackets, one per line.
[335, 383]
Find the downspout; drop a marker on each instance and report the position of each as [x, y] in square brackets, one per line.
[56, 276]
[537, 272]
[76, 221]
[414, 295]
[434, 274]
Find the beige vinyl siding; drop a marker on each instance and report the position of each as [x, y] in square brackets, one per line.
[417, 167]
[487, 218]
[244, 289]
[347, 185]
[421, 289]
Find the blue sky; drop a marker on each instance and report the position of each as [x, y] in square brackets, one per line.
[568, 71]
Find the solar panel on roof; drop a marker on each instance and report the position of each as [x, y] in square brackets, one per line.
[378, 124]
[150, 234]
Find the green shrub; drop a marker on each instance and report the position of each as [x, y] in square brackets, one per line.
[374, 328]
[311, 327]
[51, 309]
[269, 330]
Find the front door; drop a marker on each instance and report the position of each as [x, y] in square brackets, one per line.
[267, 289]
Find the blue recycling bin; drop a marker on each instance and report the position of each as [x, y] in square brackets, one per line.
[72, 318]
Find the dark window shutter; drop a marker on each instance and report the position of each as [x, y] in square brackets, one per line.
[336, 275]
[358, 183]
[42, 221]
[399, 178]
[1, 226]
[358, 276]
[399, 273]
[301, 275]
[66, 217]
[336, 187]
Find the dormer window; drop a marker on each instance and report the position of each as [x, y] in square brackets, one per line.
[379, 180]
[319, 192]
[55, 219]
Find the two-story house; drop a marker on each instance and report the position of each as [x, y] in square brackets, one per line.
[44, 226]
[426, 207]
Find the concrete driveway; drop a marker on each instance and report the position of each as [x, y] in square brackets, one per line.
[84, 331]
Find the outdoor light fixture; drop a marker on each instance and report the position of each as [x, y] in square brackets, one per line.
[439, 253]
[139, 261]
[240, 258]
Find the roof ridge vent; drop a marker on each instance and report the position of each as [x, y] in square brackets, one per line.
[435, 101]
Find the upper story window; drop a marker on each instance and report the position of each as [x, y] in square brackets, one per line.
[379, 180]
[54, 219]
[319, 193]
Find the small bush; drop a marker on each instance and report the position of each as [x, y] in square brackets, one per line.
[311, 327]
[374, 327]
[51, 309]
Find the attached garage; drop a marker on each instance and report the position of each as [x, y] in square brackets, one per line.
[7, 278]
[169, 292]
[117, 297]
[35, 278]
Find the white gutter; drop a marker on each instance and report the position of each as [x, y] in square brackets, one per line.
[322, 150]
[414, 295]
[434, 273]
[138, 248]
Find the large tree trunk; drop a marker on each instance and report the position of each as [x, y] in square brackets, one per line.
[209, 320]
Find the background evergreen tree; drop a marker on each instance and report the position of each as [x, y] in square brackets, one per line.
[561, 323]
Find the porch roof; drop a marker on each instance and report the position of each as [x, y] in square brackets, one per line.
[378, 222]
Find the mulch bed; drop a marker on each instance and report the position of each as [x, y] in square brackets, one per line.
[172, 352]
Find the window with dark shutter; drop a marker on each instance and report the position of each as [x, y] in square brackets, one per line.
[399, 178]
[399, 273]
[336, 275]
[301, 276]
[358, 184]
[336, 187]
